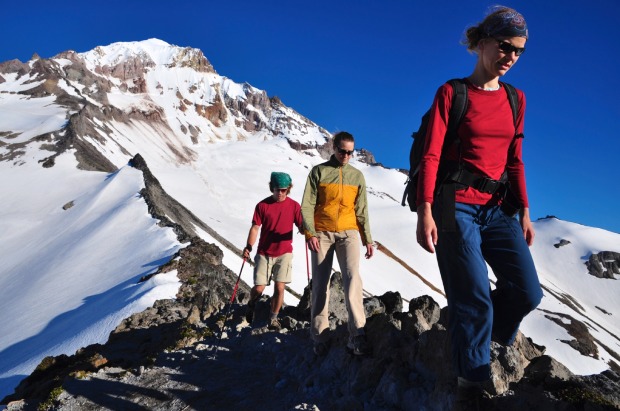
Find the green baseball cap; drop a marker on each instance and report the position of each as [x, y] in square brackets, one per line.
[280, 180]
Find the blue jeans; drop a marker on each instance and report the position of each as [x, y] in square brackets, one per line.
[484, 234]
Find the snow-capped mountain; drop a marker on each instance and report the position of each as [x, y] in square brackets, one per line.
[77, 234]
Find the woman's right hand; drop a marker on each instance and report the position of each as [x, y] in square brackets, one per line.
[426, 232]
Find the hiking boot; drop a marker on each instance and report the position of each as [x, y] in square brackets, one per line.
[320, 348]
[472, 398]
[358, 345]
[249, 313]
[274, 324]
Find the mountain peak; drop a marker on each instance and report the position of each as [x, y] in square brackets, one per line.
[150, 53]
[168, 90]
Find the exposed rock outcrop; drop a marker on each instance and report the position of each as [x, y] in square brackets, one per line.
[169, 211]
[14, 66]
[192, 58]
[605, 264]
[366, 157]
[88, 156]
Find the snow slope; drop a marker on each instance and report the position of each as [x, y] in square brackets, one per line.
[68, 277]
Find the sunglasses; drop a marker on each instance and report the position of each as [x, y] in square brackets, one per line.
[344, 152]
[280, 190]
[508, 48]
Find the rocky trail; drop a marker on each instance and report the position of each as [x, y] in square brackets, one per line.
[173, 356]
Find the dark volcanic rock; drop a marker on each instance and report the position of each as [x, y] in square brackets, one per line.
[561, 243]
[605, 264]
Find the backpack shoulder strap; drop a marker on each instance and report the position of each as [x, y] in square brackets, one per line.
[513, 99]
[458, 106]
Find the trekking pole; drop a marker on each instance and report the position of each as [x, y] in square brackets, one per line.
[307, 264]
[232, 298]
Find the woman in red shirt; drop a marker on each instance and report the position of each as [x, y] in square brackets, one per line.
[490, 143]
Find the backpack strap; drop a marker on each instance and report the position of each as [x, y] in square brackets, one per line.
[457, 112]
[458, 106]
[508, 198]
[513, 99]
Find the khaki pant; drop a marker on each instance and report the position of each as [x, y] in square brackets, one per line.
[346, 245]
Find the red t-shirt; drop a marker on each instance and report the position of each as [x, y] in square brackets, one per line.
[276, 219]
[487, 143]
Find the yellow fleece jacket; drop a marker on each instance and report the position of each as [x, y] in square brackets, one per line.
[335, 200]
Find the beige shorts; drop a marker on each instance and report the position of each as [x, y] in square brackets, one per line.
[277, 268]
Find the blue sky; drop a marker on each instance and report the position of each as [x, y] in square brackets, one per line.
[372, 68]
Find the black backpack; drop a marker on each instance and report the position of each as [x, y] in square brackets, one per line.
[460, 175]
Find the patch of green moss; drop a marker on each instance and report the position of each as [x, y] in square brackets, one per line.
[52, 399]
[187, 331]
[207, 332]
[581, 396]
[192, 280]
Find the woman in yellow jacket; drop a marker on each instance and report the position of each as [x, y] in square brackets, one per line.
[335, 214]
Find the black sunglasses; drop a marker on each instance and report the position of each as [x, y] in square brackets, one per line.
[345, 152]
[508, 48]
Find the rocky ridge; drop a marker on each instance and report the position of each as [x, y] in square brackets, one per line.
[186, 354]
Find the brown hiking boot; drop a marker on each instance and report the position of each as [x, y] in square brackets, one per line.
[274, 324]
